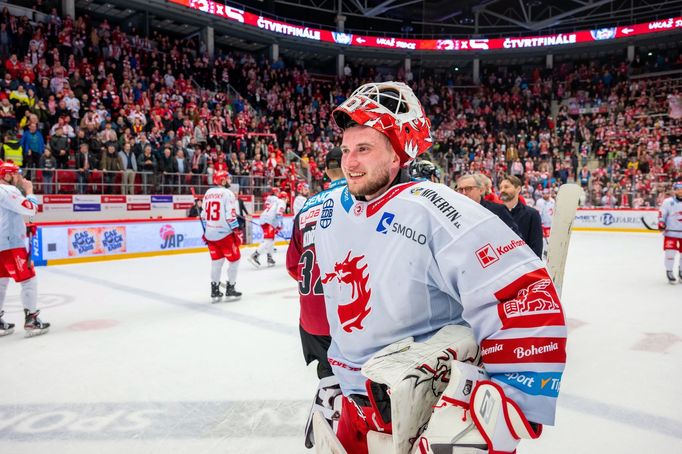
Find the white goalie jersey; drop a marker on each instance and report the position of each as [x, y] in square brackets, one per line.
[421, 257]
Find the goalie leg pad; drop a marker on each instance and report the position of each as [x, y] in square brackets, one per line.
[499, 419]
[325, 439]
[451, 429]
[327, 403]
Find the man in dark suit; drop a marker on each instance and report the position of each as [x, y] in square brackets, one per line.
[85, 161]
[168, 168]
[527, 218]
[473, 186]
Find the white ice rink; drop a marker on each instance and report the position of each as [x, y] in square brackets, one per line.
[139, 361]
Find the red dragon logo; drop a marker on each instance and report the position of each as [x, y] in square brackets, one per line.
[349, 272]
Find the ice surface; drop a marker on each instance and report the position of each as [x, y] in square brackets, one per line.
[139, 361]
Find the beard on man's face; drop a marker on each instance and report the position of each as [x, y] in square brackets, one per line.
[371, 186]
[506, 196]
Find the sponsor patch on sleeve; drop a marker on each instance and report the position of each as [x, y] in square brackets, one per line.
[526, 350]
[533, 383]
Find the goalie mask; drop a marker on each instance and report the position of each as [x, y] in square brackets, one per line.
[392, 109]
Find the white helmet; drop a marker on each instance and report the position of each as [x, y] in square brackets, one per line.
[392, 109]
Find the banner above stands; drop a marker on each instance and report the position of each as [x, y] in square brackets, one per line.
[234, 14]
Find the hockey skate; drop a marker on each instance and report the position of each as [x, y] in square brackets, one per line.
[231, 294]
[216, 294]
[5, 328]
[253, 259]
[33, 325]
[671, 277]
[271, 261]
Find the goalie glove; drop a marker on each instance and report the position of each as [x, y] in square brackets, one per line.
[327, 403]
[473, 416]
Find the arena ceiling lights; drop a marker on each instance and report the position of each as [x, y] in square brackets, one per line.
[274, 26]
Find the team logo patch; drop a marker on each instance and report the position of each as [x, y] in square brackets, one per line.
[358, 209]
[534, 299]
[487, 256]
[530, 301]
[385, 222]
[349, 272]
[327, 213]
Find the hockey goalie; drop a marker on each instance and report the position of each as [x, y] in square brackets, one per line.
[448, 335]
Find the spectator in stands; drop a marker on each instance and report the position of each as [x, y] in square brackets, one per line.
[14, 67]
[7, 115]
[47, 165]
[59, 144]
[609, 200]
[199, 163]
[33, 146]
[129, 167]
[168, 168]
[148, 166]
[85, 162]
[111, 166]
[182, 165]
[244, 173]
[108, 136]
[5, 40]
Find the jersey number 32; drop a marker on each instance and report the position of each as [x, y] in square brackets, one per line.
[307, 275]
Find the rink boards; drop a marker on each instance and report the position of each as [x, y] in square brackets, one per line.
[58, 243]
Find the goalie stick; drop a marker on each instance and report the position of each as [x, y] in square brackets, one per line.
[567, 201]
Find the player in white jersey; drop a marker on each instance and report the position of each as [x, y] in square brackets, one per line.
[299, 201]
[14, 260]
[670, 223]
[271, 221]
[545, 206]
[406, 268]
[222, 235]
